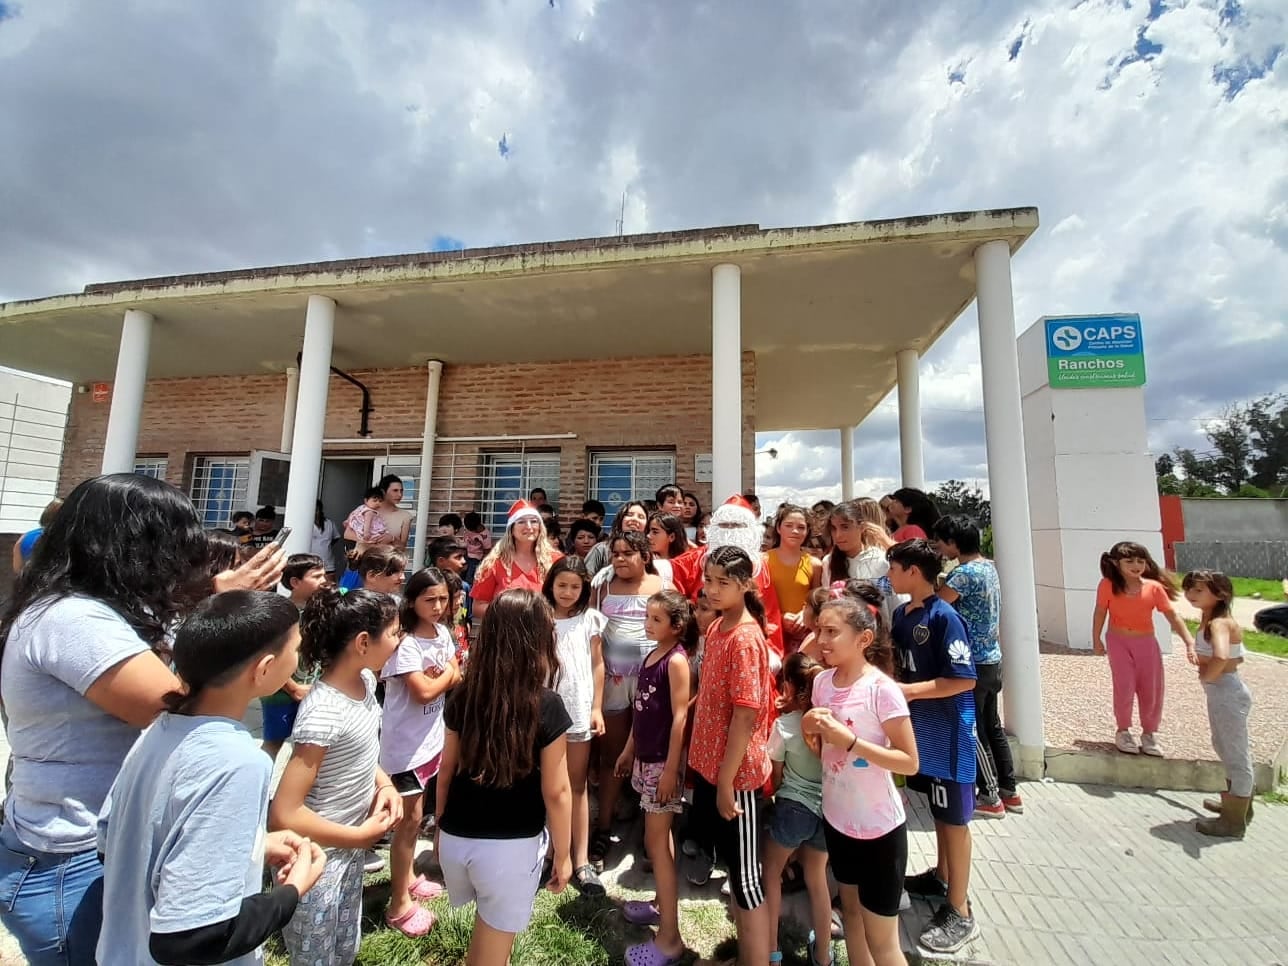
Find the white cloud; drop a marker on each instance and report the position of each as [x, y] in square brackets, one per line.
[159, 137]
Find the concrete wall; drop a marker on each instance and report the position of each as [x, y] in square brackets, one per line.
[1232, 519]
[33, 414]
[1267, 560]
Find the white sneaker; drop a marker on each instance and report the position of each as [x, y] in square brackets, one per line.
[1149, 744]
[1125, 743]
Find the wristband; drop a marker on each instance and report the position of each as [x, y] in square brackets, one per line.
[852, 744]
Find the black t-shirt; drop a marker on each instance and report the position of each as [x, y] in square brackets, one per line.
[485, 812]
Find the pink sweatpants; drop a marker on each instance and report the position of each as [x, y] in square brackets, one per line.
[1136, 664]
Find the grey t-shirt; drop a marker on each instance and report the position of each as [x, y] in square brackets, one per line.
[349, 730]
[66, 750]
[182, 831]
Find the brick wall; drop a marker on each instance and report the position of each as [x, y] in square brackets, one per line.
[648, 403]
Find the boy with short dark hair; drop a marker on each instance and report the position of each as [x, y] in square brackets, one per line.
[595, 512]
[302, 577]
[974, 589]
[477, 540]
[670, 499]
[937, 674]
[243, 521]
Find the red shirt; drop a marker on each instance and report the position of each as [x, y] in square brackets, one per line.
[686, 574]
[502, 577]
[735, 674]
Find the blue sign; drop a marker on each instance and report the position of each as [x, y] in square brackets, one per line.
[1095, 352]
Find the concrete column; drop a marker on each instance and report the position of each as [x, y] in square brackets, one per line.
[310, 421]
[726, 382]
[420, 541]
[1009, 495]
[288, 411]
[912, 463]
[122, 439]
[847, 462]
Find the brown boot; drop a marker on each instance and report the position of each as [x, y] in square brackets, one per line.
[1214, 804]
[1231, 823]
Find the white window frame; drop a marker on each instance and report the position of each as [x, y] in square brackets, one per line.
[151, 466]
[202, 495]
[493, 503]
[639, 490]
[255, 476]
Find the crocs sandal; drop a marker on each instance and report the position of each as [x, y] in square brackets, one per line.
[639, 913]
[418, 922]
[812, 945]
[647, 954]
[587, 882]
[424, 888]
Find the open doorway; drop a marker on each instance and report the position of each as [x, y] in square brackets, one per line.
[344, 481]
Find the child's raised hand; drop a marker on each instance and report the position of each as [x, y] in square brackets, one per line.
[260, 572]
[307, 868]
[815, 720]
[622, 769]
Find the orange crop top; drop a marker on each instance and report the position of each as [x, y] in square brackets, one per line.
[1134, 613]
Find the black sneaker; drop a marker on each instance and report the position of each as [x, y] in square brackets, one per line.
[587, 882]
[947, 931]
[926, 885]
[700, 869]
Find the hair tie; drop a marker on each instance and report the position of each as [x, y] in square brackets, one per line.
[837, 590]
[873, 608]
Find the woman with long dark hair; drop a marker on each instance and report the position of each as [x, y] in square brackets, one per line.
[915, 513]
[84, 667]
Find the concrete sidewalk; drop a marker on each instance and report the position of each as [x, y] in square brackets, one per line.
[1090, 874]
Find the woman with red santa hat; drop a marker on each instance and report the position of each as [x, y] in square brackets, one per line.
[734, 524]
[521, 558]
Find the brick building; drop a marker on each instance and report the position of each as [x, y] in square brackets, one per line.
[593, 368]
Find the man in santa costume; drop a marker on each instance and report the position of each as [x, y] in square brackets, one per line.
[734, 524]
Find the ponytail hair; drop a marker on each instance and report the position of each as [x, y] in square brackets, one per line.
[863, 613]
[331, 620]
[223, 634]
[1128, 550]
[800, 670]
[736, 564]
[679, 613]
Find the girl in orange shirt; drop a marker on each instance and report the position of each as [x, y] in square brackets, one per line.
[793, 571]
[1134, 586]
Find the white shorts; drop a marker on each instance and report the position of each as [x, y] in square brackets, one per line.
[501, 875]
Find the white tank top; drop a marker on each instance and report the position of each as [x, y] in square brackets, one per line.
[1203, 647]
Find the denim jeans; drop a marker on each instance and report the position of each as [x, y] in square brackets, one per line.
[52, 904]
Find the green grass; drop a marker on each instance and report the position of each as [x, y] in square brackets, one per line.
[1271, 644]
[1270, 590]
[1275, 797]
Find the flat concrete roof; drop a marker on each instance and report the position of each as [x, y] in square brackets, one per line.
[825, 308]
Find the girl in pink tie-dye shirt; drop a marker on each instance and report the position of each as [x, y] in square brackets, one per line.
[861, 716]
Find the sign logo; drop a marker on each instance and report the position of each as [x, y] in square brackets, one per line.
[1067, 338]
[101, 392]
[1095, 352]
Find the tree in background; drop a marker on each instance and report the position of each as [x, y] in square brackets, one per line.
[955, 496]
[1249, 455]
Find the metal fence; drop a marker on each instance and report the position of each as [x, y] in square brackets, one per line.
[1266, 560]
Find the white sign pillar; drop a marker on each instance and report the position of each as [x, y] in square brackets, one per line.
[122, 439]
[1090, 472]
[1008, 494]
[912, 463]
[726, 382]
[310, 423]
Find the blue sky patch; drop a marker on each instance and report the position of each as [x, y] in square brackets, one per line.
[503, 146]
[1156, 9]
[8, 10]
[446, 243]
[1230, 13]
[1017, 44]
[1235, 77]
[957, 75]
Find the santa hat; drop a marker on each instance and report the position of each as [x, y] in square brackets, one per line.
[521, 510]
[739, 501]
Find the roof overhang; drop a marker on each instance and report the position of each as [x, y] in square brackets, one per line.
[824, 308]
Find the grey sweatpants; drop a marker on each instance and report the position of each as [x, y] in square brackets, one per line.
[1229, 702]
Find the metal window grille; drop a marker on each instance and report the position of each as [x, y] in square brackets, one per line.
[616, 478]
[219, 488]
[153, 466]
[512, 476]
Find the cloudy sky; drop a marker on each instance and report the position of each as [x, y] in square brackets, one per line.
[158, 136]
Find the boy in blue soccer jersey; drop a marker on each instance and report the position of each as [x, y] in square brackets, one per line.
[937, 674]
